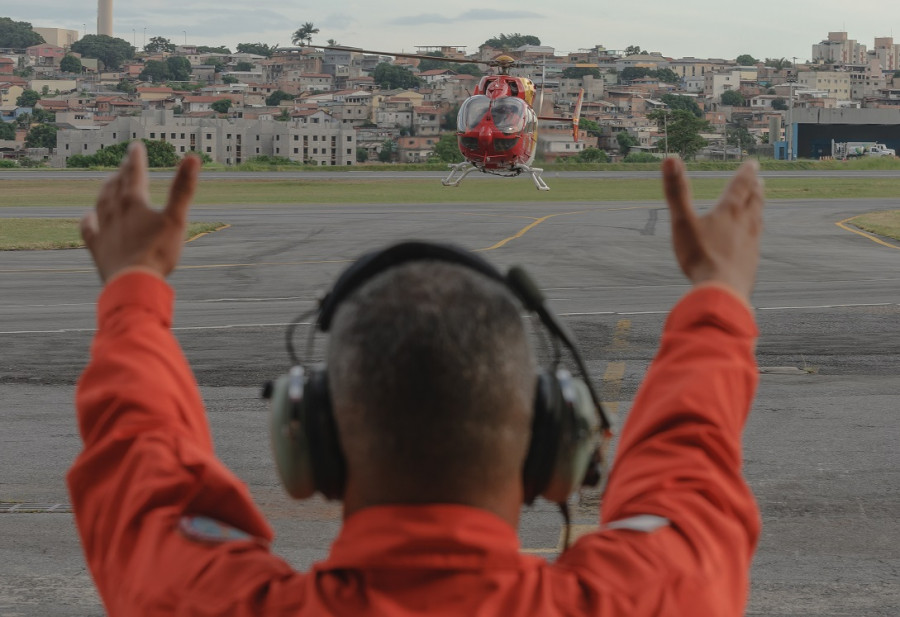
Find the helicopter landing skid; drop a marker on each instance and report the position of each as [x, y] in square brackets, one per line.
[458, 171]
[536, 176]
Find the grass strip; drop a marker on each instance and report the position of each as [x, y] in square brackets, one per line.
[885, 224]
[22, 234]
[75, 192]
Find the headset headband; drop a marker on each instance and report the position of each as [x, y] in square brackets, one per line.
[517, 281]
[372, 264]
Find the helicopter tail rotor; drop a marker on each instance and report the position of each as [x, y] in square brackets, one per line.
[577, 115]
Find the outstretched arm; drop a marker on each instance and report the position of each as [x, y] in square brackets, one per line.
[679, 525]
[164, 525]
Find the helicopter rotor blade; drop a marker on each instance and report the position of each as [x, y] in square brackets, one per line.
[399, 55]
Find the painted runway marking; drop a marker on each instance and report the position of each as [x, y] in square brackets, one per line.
[176, 329]
[525, 230]
[285, 324]
[859, 232]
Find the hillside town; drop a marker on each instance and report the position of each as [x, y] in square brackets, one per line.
[66, 98]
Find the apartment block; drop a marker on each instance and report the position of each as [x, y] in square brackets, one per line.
[315, 137]
[836, 83]
[839, 49]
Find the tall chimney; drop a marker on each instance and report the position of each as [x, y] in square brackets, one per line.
[105, 17]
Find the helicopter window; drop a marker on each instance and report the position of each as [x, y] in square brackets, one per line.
[509, 114]
[472, 112]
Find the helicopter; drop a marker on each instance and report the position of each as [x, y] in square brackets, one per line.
[497, 126]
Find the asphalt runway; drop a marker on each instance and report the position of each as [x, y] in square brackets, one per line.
[821, 443]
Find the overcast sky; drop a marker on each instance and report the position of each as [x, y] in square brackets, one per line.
[699, 28]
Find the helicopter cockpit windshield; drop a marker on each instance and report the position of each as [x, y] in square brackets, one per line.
[472, 112]
[508, 113]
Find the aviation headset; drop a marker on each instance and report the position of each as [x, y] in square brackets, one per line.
[564, 453]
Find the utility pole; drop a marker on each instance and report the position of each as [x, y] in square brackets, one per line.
[791, 80]
[666, 129]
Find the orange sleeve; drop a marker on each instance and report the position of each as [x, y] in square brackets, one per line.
[679, 458]
[148, 462]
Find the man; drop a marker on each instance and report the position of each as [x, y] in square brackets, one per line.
[434, 474]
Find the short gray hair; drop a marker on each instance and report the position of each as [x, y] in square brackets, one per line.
[430, 369]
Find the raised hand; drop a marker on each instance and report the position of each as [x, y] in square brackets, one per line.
[721, 246]
[124, 231]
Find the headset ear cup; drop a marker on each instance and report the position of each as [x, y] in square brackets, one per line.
[288, 436]
[578, 442]
[542, 449]
[328, 464]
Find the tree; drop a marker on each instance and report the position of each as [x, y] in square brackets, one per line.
[156, 71]
[259, 49]
[746, 60]
[111, 51]
[779, 104]
[230, 79]
[630, 73]
[221, 106]
[591, 126]
[179, 68]
[634, 50]
[159, 44]
[667, 76]
[511, 41]
[592, 155]
[70, 64]
[159, 154]
[733, 97]
[243, 67]
[274, 99]
[217, 64]
[447, 149]
[448, 120]
[738, 135]
[41, 136]
[577, 72]
[304, 33]
[779, 64]
[678, 101]
[28, 98]
[626, 141]
[682, 129]
[7, 130]
[18, 34]
[388, 148]
[362, 155]
[391, 77]
[125, 86]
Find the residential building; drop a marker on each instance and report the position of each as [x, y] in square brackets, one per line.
[416, 149]
[866, 80]
[7, 66]
[58, 36]
[836, 83]
[887, 53]
[838, 49]
[45, 55]
[9, 93]
[315, 138]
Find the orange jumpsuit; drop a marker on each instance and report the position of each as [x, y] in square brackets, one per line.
[678, 526]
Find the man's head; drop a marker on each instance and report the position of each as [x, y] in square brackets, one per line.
[432, 381]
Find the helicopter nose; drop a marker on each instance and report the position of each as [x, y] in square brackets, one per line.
[485, 138]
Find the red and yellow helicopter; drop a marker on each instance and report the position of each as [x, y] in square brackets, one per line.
[497, 127]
